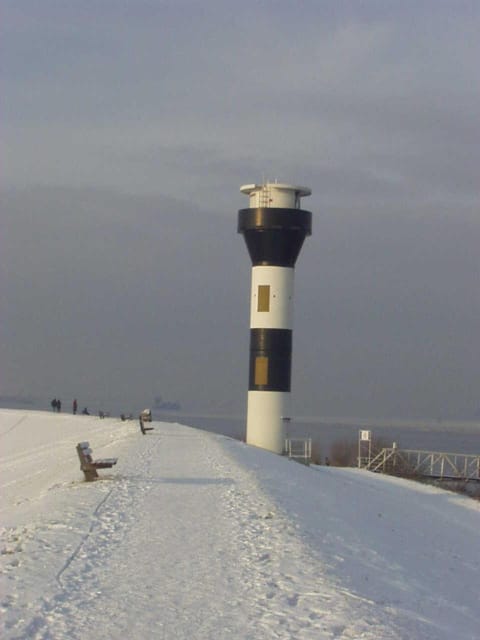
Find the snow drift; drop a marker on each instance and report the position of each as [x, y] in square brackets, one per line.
[194, 535]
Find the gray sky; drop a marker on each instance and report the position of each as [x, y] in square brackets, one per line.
[126, 131]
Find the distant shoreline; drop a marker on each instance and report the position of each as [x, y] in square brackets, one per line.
[341, 421]
[416, 423]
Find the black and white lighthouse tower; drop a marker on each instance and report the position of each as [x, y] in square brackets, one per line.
[274, 228]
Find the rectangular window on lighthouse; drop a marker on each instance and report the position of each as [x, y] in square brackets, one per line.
[261, 370]
[263, 302]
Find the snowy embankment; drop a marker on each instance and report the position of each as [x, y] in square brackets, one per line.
[194, 535]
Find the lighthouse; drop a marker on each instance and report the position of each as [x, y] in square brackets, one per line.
[274, 228]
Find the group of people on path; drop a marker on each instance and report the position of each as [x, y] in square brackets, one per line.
[56, 404]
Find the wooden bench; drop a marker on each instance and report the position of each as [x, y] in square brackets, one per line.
[146, 415]
[143, 428]
[90, 466]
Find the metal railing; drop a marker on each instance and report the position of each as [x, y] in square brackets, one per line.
[299, 449]
[433, 464]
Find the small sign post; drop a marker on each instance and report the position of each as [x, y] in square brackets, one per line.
[364, 447]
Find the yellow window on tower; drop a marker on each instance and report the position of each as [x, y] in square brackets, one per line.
[263, 303]
[261, 370]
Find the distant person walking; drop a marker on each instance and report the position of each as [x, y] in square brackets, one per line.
[75, 407]
[59, 405]
[54, 404]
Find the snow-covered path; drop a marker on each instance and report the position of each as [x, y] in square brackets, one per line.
[193, 535]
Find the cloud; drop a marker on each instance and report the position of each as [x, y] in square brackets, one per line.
[127, 134]
[110, 296]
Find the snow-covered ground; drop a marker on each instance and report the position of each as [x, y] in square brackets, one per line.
[195, 535]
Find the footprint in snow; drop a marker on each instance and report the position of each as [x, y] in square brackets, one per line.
[292, 600]
[264, 557]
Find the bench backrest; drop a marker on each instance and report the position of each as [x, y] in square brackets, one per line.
[84, 453]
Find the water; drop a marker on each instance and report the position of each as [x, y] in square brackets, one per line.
[449, 437]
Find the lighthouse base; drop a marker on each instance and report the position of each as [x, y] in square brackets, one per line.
[265, 419]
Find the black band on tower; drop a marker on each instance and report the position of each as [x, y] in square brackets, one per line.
[274, 236]
[270, 359]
